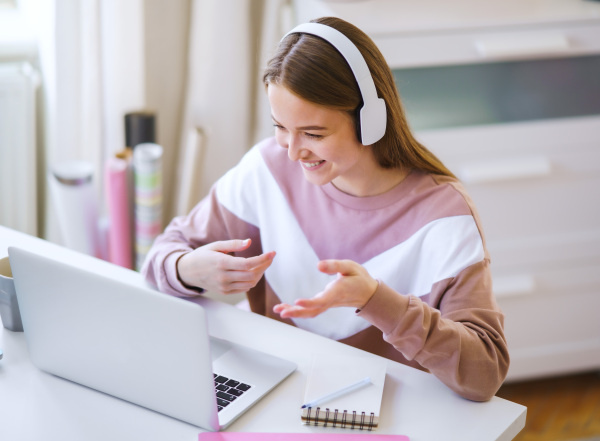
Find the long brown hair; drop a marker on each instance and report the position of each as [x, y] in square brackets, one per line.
[314, 70]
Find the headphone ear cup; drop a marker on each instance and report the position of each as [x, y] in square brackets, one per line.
[372, 121]
[358, 123]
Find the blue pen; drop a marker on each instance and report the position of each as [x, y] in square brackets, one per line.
[338, 393]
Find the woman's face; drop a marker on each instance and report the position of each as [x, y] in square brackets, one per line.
[323, 141]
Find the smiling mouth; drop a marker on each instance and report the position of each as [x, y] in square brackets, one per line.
[312, 164]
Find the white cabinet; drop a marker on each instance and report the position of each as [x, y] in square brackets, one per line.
[537, 188]
[509, 99]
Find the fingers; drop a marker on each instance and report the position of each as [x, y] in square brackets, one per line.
[250, 263]
[237, 288]
[304, 308]
[353, 287]
[231, 263]
[344, 267]
[295, 311]
[230, 246]
[212, 268]
[277, 309]
[231, 275]
[328, 266]
[240, 274]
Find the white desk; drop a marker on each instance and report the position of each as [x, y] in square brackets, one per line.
[35, 405]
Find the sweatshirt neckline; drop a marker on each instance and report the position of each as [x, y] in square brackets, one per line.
[371, 202]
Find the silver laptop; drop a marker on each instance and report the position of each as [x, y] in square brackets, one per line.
[137, 344]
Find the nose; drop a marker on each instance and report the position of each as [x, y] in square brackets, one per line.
[294, 147]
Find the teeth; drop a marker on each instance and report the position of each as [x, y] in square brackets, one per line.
[312, 164]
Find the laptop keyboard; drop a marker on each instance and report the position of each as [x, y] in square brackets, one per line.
[228, 390]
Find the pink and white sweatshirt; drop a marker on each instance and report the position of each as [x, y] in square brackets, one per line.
[434, 308]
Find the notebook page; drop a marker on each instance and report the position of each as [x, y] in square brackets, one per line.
[329, 373]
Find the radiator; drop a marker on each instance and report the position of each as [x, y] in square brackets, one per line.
[18, 147]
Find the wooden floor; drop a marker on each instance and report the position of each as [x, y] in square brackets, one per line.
[558, 409]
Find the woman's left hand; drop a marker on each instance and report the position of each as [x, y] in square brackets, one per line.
[354, 287]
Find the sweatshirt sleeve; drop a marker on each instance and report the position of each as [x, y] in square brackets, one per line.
[209, 221]
[456, 333]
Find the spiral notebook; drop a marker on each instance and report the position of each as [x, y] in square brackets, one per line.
[357, 409]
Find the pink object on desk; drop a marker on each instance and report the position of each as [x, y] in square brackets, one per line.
[256, 436]
[120, 243]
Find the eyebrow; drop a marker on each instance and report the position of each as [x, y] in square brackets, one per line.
[311, 128]
[303, 127]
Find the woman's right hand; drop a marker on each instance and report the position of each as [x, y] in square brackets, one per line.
[212, 268]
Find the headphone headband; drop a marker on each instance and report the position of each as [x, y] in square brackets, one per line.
[372, 117]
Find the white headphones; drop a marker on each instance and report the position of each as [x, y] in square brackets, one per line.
[372, 117]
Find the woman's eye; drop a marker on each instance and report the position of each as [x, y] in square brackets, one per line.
[314, 136]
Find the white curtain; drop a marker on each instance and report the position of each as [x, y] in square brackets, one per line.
[277, 20]
[99, 61]
[226, 110]
[92, 61]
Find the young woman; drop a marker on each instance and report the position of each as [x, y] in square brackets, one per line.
[343, 224]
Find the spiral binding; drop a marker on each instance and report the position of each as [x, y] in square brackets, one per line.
[357, 421]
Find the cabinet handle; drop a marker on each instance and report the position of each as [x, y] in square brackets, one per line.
[504, 169]
[521, 45]
[512, 286]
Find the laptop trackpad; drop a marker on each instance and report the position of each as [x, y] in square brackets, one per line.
[218, 347]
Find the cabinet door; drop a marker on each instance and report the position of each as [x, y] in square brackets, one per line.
[536, 186]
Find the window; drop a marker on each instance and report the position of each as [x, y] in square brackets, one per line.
[467, 95]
